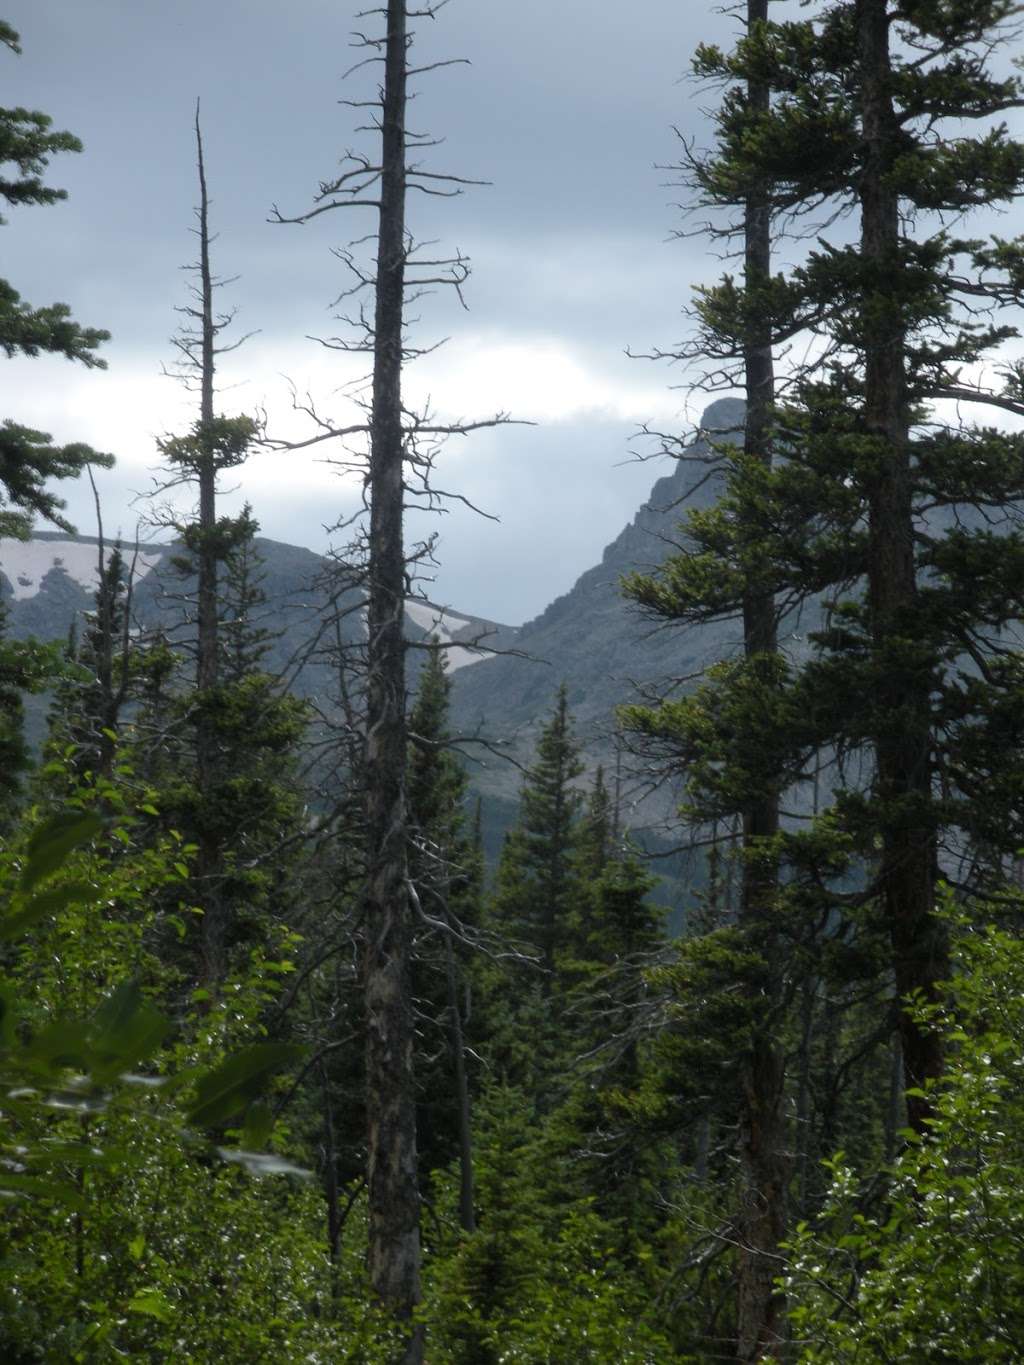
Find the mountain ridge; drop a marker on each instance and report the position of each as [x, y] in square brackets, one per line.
[588, 636]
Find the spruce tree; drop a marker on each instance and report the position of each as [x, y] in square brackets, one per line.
[446, 871]
[88, 715]
[881, 505]
[249, 808]
[533, 910]
[535, 880]
[214, 443]
[14, 757]
[244, 641]
[28, 458]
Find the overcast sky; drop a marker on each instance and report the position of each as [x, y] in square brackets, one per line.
[568, 108]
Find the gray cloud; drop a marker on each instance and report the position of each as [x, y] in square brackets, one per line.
[566, 108]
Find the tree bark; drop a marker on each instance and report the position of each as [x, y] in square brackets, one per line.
[214, 927]
[394, 1239]
[762, 1128]
[902, 738]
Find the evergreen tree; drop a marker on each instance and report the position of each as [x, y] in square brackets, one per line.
[87, 715]
[597, 828]
[244, 641]
[250, 806]
[446, 871]
[535, 888]
[533, 909]
[14, 757]
[741, 323]
[213, 444]
[28, 459]
[880, 506]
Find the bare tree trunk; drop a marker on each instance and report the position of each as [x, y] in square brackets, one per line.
[394, 1239]
[903, 730]
[762, 1128]
[214, 928]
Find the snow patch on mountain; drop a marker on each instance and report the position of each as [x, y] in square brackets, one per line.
[446, 626]
[25, 563]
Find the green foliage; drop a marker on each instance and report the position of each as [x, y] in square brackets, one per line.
[174, 1257]
[930, 1271]
[27, 457]
[542, 1280]
[224, 440]
[533, 898]
[25, 666]
[246, 815]
[127, 1234]
[533, 910]
[141, 1097]
[808, 529]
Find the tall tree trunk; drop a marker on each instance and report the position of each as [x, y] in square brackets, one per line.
[330, 1170]
[903, 731]
[394, 1239]
[808, 992]
[762, 1129]
[467, 1210]
[214, 928]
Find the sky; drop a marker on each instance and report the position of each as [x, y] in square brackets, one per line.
[571, 111]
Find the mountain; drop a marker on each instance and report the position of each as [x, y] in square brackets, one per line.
[48, 582]
[598, 645]
[588, 638]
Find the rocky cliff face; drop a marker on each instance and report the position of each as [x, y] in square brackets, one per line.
[595, 642]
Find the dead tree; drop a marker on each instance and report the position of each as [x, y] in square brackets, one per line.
[395, 448]
[214, 443]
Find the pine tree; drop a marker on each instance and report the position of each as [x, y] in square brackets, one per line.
[249, 808]
[597, 828]
[532, 910]
[535, 887]
[214, 443]
[14, 756]
[446, 871]
[244, 641]
[876, 504]
[86, 727]
[28, 459]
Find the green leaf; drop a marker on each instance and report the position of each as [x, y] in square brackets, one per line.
[53, 842]
[97, 1334]
[151, 1303]
[125, 1030]
[226, 1090]
[62, 1043]
[14, 1186]
[259, 1124]
[46, 903]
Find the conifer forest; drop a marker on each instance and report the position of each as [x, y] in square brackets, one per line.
[301, 1060]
